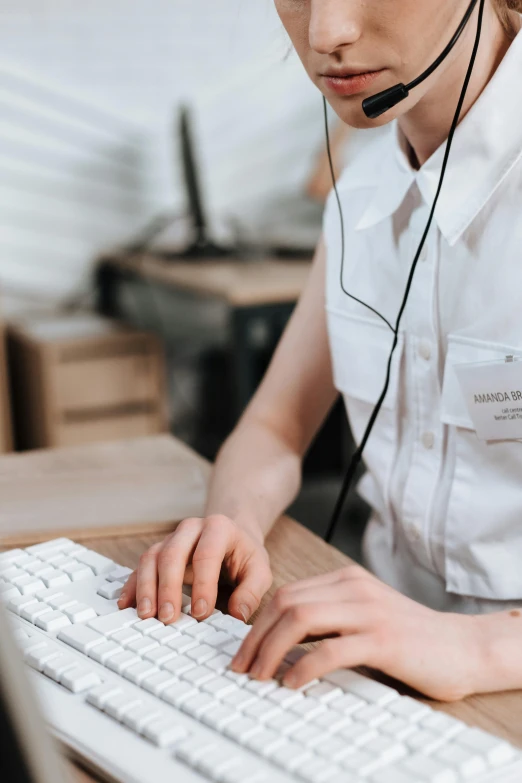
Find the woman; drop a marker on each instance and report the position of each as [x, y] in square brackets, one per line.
[443, 543]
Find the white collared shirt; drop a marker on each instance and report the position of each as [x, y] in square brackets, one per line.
[447, 507]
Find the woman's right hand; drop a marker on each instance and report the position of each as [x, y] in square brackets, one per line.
[196, 553]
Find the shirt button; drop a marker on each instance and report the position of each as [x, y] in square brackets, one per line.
[428, 439]
[425, 350]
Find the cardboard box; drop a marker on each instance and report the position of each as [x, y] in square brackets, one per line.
[82, 378]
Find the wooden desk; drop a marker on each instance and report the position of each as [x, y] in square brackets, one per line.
[254, 291]
[295, 552]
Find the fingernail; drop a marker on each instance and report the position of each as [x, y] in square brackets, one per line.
[237, 661]
[199, 608]
[255, 671]
[122, 597]
[289, 680]
[166, 611]
[145, 606]
[245, 611]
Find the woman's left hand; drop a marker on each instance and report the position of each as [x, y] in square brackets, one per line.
[438, 654]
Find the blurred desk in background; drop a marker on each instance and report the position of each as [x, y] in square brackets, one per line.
[258, 294]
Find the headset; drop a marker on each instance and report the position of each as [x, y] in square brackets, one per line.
[374, 107]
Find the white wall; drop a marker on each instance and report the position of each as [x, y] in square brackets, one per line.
[87, 96]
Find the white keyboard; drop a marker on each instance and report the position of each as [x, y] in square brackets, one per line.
[144, 702]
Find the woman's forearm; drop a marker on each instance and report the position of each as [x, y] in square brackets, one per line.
[255, 478]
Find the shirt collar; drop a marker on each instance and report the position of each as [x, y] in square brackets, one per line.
[486, 146]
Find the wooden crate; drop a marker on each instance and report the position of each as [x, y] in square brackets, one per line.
[81, 378]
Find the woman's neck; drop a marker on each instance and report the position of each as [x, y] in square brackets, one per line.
[427, 125]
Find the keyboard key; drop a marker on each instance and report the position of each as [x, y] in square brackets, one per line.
[220, 663]
[102, 652]
[120, 703]
[60, 601]
[11, 556]
[179, 665]
[7, 592]
[121, 661]
[146, 626]
[201, 653]
[36, 567]
[52, 621]
[232, 647]
[316, 771]
[164, 634]
[261, 687]
[408, 708]
[307, 708]
[108, 624]
[496, 751]
[290, 756]
[239, 699]
[98, 563]
[41, 655]
[324, 692]
[467, 761]
[261, 710]
[218, 717]
[284, 722]
[241, 728]
[110, 590]
[182, 623]
[126, 636]
[100, 695]
[54, 545]
[164, 732]
[197, 675]
[197, 704]
[79, 679]
[138, 717]
[190, 749]
[139, 672]
[141, 645]
[76, 571]
[33, 611]
[428, 770]
[159, 655]
[372, 715]
[197, 631]
[363, 687]
[19, 602]
[215, 762]
[28, 585]
[119, 574]
[358, 733]
[55, 667]
[177, 693]
[55, 578]
[159, 682]
[443, 724]
[285, 696]
[400, 728]
[218, 686]
[81, 638]
[79, 613]
[182, 644]
[331, 721]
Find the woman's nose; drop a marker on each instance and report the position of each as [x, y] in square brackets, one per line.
[334, 24]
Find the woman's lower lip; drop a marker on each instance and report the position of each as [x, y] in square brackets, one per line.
[350, 85]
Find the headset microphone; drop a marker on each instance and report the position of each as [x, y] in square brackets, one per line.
[374, 107]
[383, 101]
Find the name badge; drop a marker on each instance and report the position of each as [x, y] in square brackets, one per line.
[493, 394]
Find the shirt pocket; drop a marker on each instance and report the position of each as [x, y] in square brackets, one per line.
[483, 531]
[359, 349]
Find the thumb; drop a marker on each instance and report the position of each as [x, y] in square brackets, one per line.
[253, 584]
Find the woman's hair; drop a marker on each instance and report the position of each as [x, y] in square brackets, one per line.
[504, 8]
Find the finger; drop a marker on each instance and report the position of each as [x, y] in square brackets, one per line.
[284, 600]
[254, 580]
[297, 623]
[128, 593]
[218, 537]
[172, 562]
[346, 651]
[147, 582]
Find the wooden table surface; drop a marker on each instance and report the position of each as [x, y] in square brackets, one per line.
[239, 283]
[295, 552]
